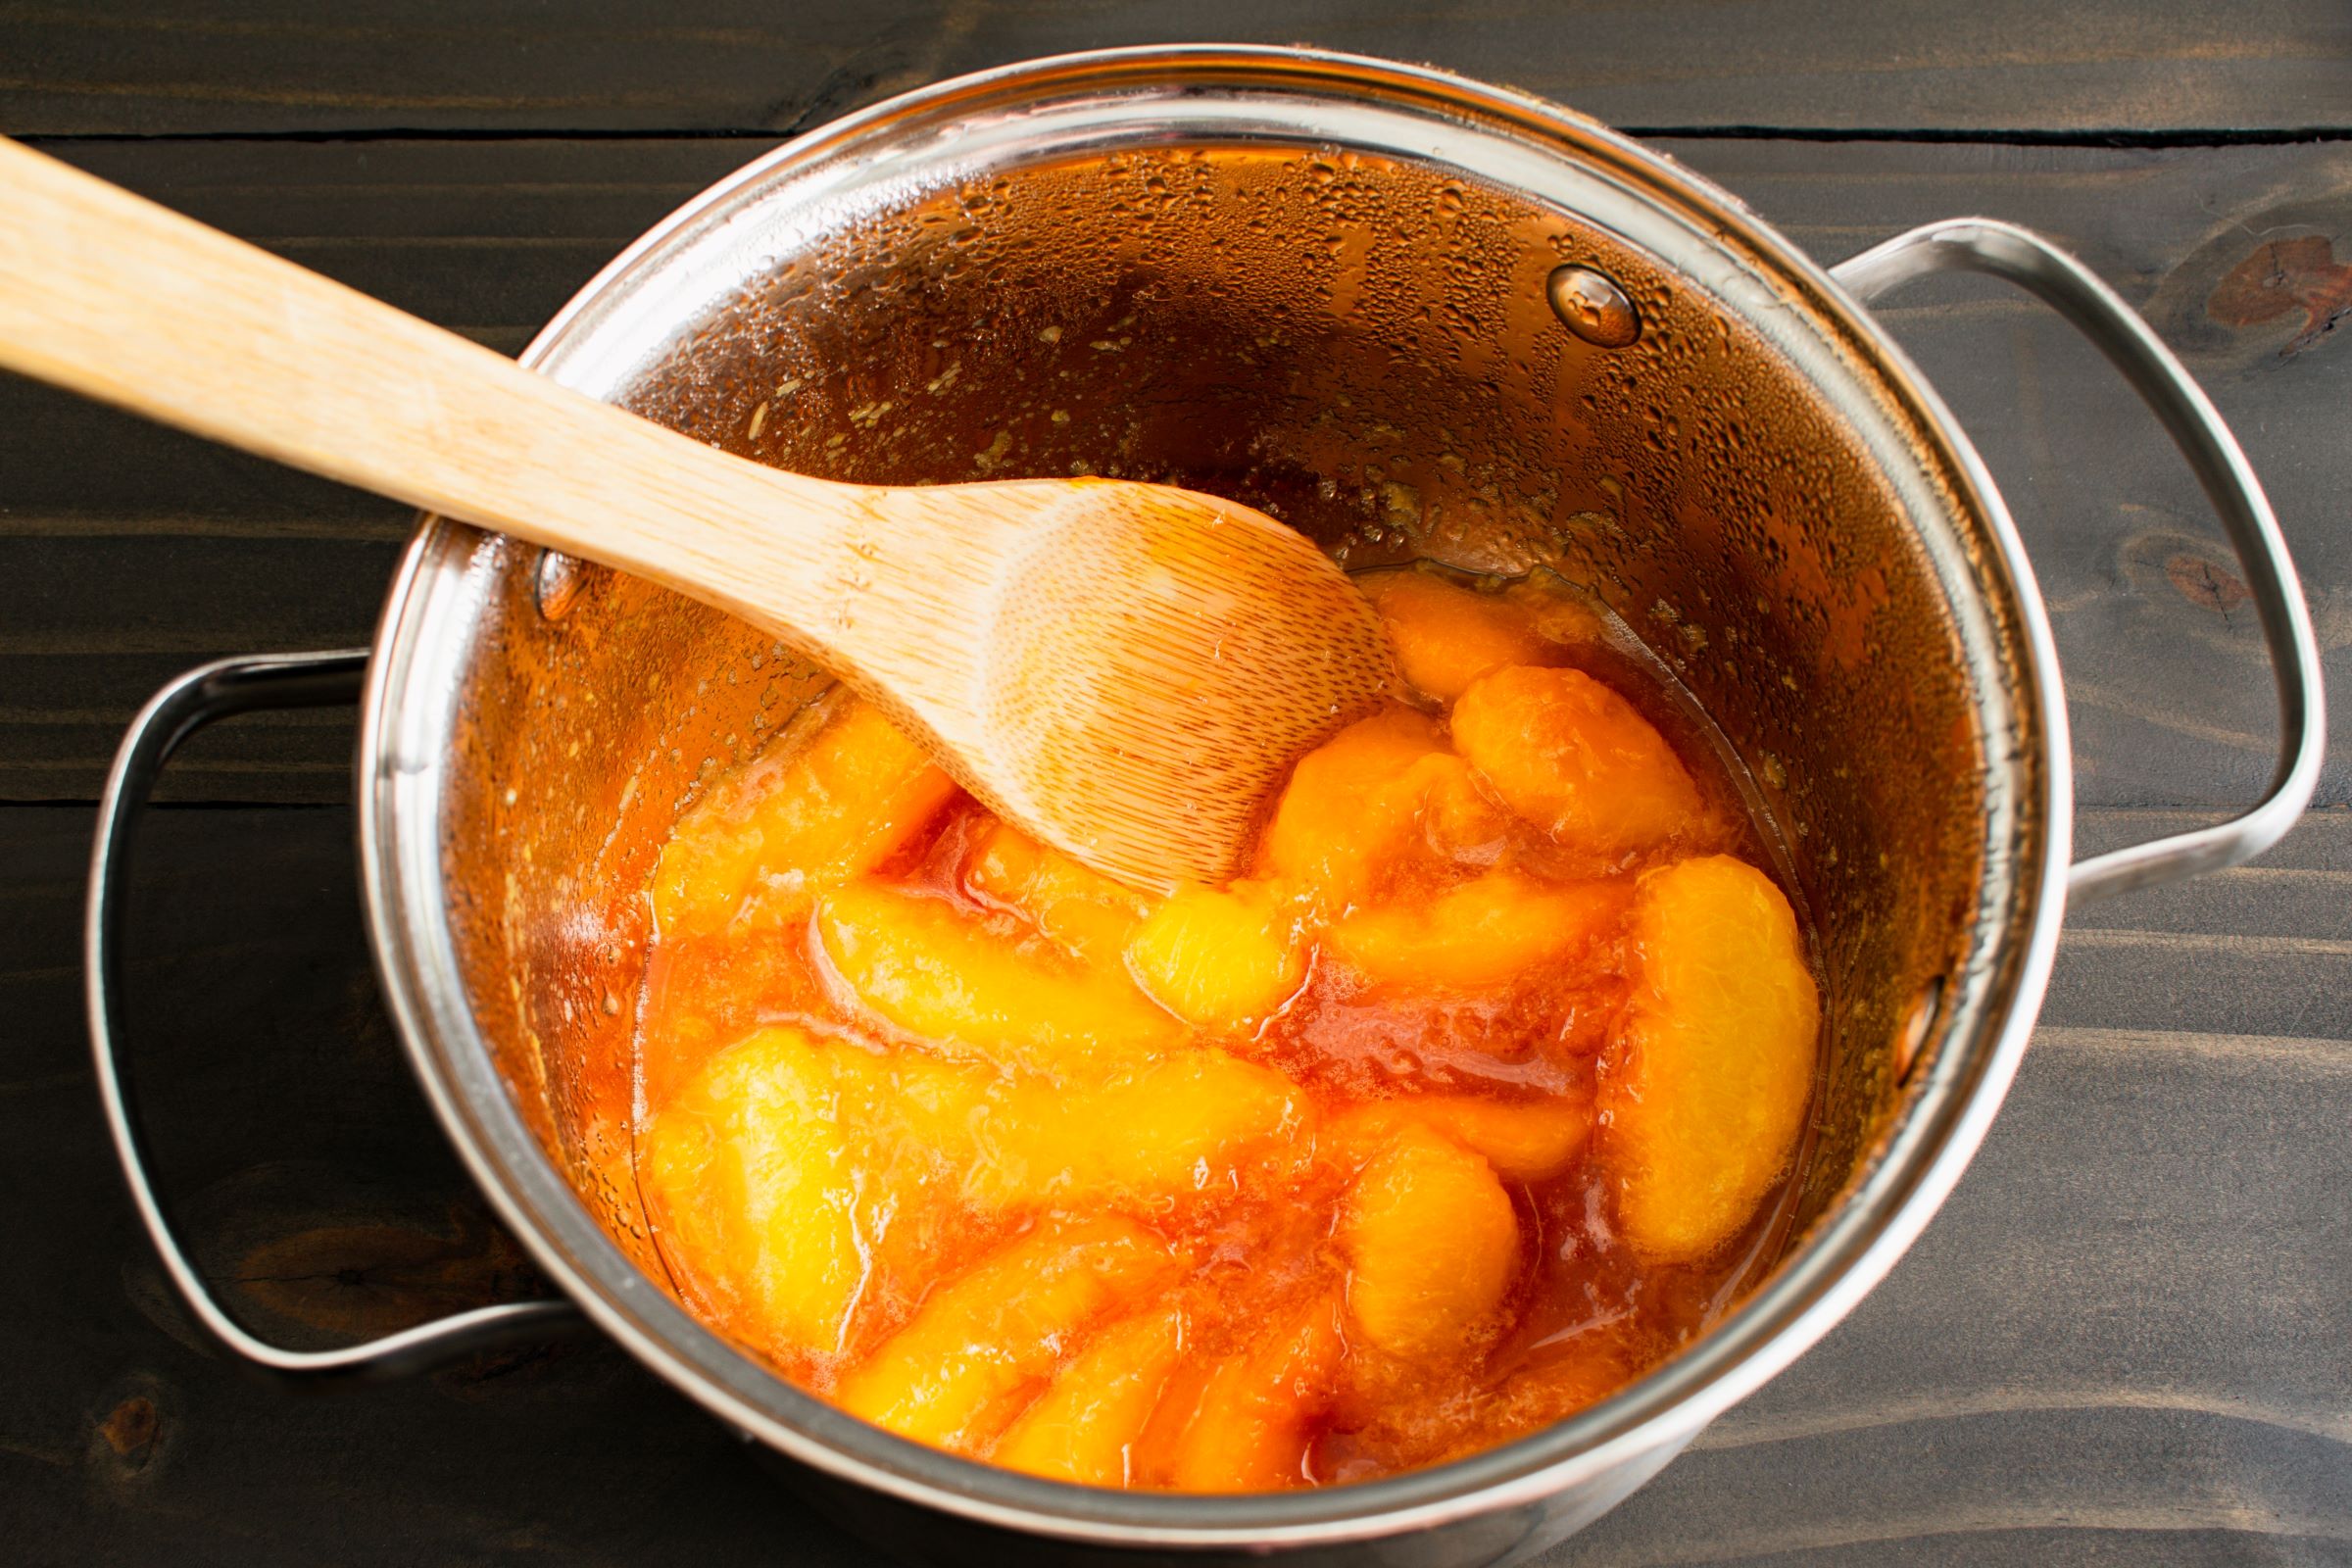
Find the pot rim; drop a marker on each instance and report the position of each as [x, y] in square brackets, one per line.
[420, 646]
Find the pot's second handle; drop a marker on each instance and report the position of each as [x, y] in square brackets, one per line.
[179, 711]
[2033, 264]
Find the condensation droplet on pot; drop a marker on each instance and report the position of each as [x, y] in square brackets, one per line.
[559, 583]
[1592, 305]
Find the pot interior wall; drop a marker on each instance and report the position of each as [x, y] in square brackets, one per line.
[1358, 346]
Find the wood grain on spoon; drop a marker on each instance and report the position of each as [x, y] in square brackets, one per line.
[1124, 670]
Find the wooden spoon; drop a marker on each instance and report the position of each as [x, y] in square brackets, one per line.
[1124, 670]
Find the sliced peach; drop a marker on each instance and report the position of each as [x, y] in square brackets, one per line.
[1524, 1140]
[798, 819]
[1248, 1431]
[705, 993]
[1220, 960]
[1170, 1126]
[1349, 804]
[903, 1131]
[795, 1178]
[749, 1185]
[1703, 1091]
[1575, 760]
[1082, 1428]
[970, 992]
[1083, 912]
[1446, 635]
[1480, 934]
[1557, 615]
[958, 1374]
[1459, 818]
[1432, 1245]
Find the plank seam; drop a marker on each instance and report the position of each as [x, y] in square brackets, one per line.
[2316, 1421]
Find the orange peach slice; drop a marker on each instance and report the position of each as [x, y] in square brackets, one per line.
[1432, 1245]
[1350, 803]
[796, 820]
[1248, 1431]
[1480, 934]
[1084, 1427]
[1703, 1093]
[1558, 616]
[749, 1185]
[1171, 1126]
[1220, 960]
[1459, 820]
[1446, 635]
[1081, 911]
[1525, 1141]
[1575, 760]
[769, 1165]
[950, 981]
[959, 1373]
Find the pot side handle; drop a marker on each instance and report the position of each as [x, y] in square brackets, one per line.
[177, 711]
[2035, 265]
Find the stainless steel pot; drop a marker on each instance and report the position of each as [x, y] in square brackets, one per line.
[1417, 316]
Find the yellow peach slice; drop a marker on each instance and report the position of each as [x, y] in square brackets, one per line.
[957, 1375]
[1524, 1140]
[1559, 615]
[1432, 1245]
[1481, 934]
[1081, 911]
[1171, 1126]
[1348, 806]
[1459, 820]
[1446, 635]
[1575, 760]
[1703, 1091]
[798, 819]
[784, 1150]
[1082, 1428]
[1248, 1431]
[1220, 960]
[950, 981]
[750, 1190]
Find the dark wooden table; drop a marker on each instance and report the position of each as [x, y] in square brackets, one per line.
[2126, 1340]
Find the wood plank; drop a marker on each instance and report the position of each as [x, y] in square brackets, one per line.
[148, 551]
[205, 67]
[2294, 897]
[139, 551]
[2122, 1341]
[314, 1188]
[2264, 949]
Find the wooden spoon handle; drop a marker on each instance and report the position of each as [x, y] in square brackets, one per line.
[128, 301]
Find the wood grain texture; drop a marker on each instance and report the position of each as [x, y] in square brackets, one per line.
[133, 552]
[207, 65]
[316, 1190]
[2123, 1341]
